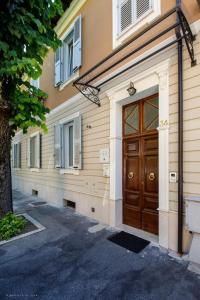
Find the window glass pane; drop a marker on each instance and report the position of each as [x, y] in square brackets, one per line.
[70, 58]
[71, 139]
[151, 114]
[131, 120]
[33, 152]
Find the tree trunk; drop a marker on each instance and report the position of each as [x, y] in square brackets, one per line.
[5, 165]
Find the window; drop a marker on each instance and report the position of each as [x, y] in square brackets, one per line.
[17, 155]
[130, 15]
[35, 83]
[68, 56]
[34, 151]
[131, 11]
[67, 144]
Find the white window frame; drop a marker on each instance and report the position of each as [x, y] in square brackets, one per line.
[33, 168]
[120, 37]
[66, 122]
[16, 164]
[66, 144]
[64, 63]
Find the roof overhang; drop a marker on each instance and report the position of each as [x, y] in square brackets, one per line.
[88, 85]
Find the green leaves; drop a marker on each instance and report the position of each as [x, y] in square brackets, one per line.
[11, 225]
[26, 35]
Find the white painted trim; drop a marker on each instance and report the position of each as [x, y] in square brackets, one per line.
[69, 118]
[34, 134]
[69, 15]
[69, 171]
[195, 26]
[157, 75]
[64, 105]
[73, 77]
[119, 38]
[34, 169]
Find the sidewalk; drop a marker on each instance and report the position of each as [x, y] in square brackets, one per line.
[65, 261]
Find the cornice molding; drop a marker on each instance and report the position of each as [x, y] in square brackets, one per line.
[68, 15]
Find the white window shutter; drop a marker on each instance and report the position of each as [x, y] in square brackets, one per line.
[58, 146]
[28, 153]
[15, 155]
[77, 159]
[142, 7]
[58, 66]
[38, 150]
[126, 14]
[77, 43]
[19, 155]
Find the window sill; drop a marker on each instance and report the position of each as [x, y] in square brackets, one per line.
[69, 171]
[71, 79]
[34, 169]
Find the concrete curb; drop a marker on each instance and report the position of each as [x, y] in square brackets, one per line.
[36, 223]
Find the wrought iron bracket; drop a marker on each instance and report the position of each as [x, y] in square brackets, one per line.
[189, 37]
[89, 91]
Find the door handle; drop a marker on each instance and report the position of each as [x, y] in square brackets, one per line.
[152, 176]
[130, 175]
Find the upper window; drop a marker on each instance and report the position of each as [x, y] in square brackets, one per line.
[67, 144]
[130, 15]
[68, 56]
[17, 155]
[131, 11]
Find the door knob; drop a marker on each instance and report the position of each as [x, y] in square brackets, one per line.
[130, 175]
[152, 176]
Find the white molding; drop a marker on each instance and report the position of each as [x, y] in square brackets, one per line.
[69, 80]
[69, 15]
[158, 75]
[64, 105]
[69, 118]
[34, 134]
[195, 26]
[34, 169]
[69, 171]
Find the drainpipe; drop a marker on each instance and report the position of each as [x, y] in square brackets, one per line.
[180, 139]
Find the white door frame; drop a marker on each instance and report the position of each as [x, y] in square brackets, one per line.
[156, 77]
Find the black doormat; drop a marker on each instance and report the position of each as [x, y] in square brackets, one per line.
[129, 241]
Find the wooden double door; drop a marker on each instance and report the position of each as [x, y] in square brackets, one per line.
[140, 164]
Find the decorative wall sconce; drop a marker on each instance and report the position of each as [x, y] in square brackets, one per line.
[131, 90]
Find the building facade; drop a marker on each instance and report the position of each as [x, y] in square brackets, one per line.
[118, 163]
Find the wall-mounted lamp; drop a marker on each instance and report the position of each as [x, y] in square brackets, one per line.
[131, 90]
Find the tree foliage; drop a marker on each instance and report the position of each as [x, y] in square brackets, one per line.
[26, 34]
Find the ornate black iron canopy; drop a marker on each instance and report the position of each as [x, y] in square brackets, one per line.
[86, 83]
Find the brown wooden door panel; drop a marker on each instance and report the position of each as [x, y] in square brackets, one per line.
[150, 201]
[151, 174]
[132, 216]
[132, 199]
[140, 163]
[150, 221]
[132, 174]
